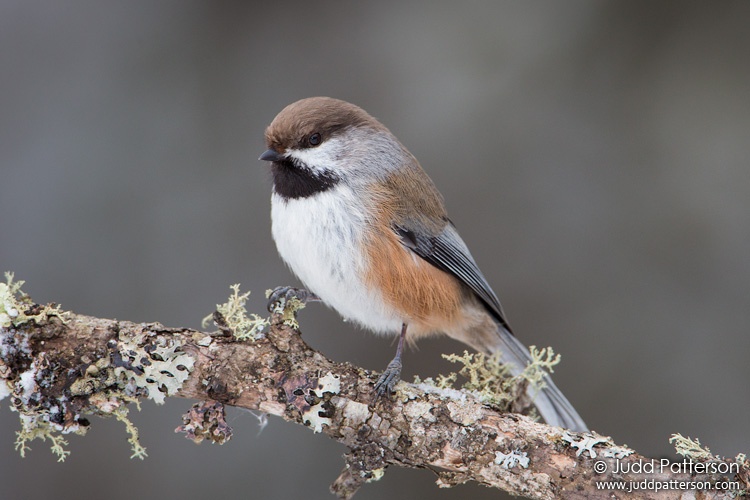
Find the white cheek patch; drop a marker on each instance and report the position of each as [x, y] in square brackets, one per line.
[319, 159]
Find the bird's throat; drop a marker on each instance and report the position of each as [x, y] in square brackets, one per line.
[294, 181]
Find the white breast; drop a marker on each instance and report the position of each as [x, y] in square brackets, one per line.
[320, 238]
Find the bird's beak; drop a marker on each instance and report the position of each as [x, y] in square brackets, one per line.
[271, 155]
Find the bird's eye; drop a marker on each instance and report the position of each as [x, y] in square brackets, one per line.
[314, 139]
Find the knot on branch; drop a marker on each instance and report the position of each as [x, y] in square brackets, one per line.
[363, 465]
[206, 420]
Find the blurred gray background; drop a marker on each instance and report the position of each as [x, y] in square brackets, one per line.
[594, 156]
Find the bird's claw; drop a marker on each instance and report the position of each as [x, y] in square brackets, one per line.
[389, 378]
[281, 295]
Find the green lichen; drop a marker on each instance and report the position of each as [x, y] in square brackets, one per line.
[288, 309]
[485, 375]
[36, 424]
[38, 427]
[244, 326]
[543, 362]
[140, 365]
[491, 380]
[97, 377]
[30, 374]
[121, 414]
[374, 475]
[113, 403]
[132, 366]
[690, 448]
[10, 299]
[17, 308]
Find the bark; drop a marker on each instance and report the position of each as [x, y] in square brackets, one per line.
[62, 367]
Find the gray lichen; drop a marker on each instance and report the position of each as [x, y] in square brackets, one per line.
[317, 416]
[589, 440]
[512, 459]
[53, 394]
[154, 363]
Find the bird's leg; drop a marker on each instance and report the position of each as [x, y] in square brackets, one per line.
[392, 373]
[281, 295]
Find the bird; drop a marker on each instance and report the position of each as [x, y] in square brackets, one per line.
[365, 229]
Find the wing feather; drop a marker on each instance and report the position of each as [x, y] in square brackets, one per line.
[447, 251]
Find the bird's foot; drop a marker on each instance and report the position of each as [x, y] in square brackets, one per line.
[389, 378]
[282, 295]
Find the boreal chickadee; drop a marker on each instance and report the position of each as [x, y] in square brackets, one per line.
[362, 225]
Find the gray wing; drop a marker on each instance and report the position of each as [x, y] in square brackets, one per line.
[448, 252]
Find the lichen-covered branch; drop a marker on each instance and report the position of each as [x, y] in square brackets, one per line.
[57, 367]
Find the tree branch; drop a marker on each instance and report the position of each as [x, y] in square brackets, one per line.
[59, 367]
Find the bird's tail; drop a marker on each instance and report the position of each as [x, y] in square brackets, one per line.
[552, 405]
